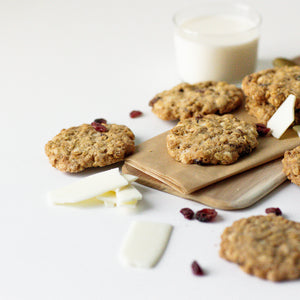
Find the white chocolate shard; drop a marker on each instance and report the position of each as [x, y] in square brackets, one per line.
[144, 243]
[127, 194]
[109, 188]
[88, 187]
[283, 117]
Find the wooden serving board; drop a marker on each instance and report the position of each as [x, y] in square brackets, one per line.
[236, 192]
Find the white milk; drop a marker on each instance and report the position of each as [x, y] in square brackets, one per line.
[218, 47]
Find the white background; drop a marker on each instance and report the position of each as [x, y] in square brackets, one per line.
[64, 63]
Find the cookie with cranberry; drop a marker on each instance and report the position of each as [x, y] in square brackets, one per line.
[211, 139]
[266, 90]
[82, 147]
[291, 165]
[188, 100]
[264, 246]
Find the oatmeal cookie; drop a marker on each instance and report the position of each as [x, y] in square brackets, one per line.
[266, 90]
[291, 165]
[81, 147]
[265, 246]
[211, 139]
[187, 100]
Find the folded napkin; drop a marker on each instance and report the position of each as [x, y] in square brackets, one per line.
[236, 192]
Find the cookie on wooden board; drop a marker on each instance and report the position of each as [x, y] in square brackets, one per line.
[81, 147]
[211, 139]
[266, 90]
[264, 246]
[291, 165]
[187, 100]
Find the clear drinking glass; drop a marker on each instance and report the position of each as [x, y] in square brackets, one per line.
[216, 41]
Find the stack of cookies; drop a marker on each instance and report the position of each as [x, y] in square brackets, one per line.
[266, 90]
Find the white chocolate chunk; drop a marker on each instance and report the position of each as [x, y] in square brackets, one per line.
[127, 194]
[283, 117]
[297, 129]
[124, 196]
[145, 243]
[89, 187]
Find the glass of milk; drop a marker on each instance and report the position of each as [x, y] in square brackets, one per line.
[216, 41]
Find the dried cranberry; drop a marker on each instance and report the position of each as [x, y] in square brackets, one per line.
[187, 213]
[206, 214]
[135, 114]
[197, 270]
[99, 127]
[274, 210]
[100, 121]
[262, 129]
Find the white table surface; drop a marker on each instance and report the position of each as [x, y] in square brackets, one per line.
[63, 63]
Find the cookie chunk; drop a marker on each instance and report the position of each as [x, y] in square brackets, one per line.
[211, 139]
[188, 100]
[291, 165]
[265, 246]
[266, 90]
[81, 147]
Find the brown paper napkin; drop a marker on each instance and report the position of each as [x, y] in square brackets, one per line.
[152, 158]
[236, 192]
